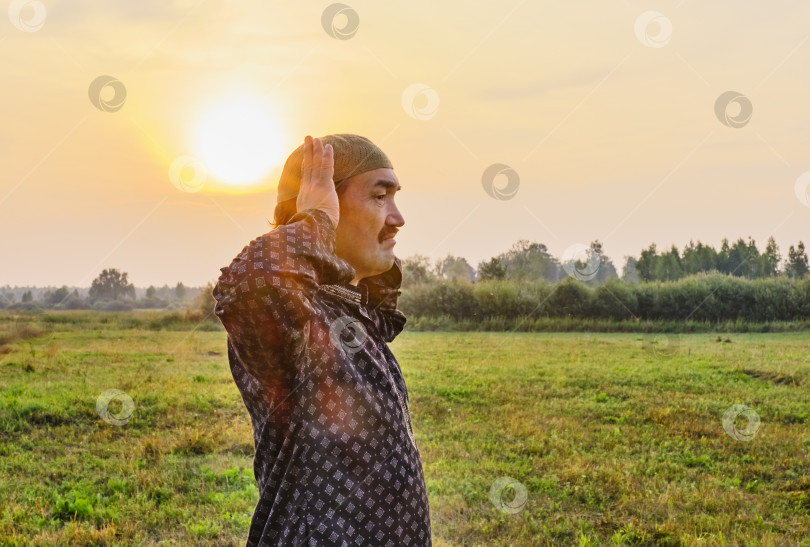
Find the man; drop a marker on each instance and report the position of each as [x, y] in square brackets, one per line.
[309, 308]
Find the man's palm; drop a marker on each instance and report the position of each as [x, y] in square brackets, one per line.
[317, 184]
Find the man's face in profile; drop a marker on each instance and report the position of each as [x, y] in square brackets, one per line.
[368, 219]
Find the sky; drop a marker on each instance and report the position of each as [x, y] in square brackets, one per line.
[149, 136]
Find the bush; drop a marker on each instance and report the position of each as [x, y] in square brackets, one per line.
[615, 300]
[704, 297]
[571, 297]
[496, 298]
[152, 303]
[204, 303]
[73, 303]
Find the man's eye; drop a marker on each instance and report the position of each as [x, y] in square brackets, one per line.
[381, 196]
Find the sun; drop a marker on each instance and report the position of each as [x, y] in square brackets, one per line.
[239, 141]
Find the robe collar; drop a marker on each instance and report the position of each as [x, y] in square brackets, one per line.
[380, 291]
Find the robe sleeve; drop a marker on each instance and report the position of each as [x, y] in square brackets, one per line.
[264, 298]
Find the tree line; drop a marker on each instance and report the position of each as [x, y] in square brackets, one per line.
[531, 261]
[111, 290]
[734, 283]
[742, 259]
[516, 279]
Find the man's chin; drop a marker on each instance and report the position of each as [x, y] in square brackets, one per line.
[386, 251]
[386, 262]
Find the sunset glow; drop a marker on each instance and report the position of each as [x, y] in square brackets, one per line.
[239, 141]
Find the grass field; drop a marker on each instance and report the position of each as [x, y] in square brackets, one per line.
[615, 439]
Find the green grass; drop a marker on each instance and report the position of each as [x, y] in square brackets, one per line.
[615, 438]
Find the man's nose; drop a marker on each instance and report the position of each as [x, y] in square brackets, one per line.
[395, 218]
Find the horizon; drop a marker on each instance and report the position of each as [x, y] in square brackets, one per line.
[620, 267]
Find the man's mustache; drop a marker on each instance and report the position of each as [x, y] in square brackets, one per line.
[389, 233]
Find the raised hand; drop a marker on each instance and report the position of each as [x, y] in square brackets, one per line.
[317, 184]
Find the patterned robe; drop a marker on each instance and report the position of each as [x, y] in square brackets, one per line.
[336, 460]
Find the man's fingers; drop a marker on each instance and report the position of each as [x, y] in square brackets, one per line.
[317, 151]
[327, 163]
[318, 164]
[306, 165]
[322, 162]
[317, 173]
[317, 158]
